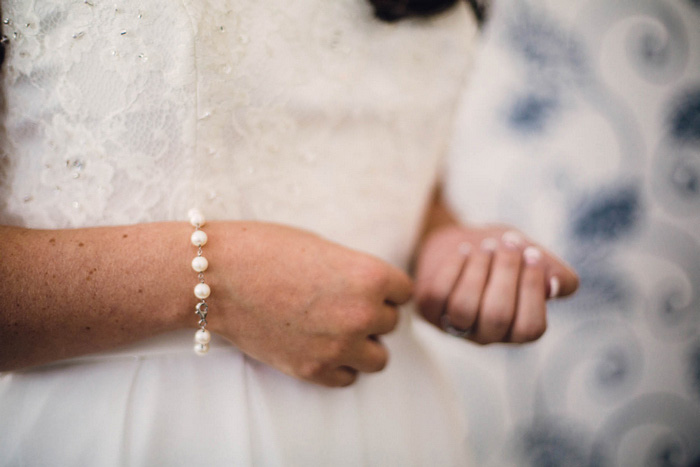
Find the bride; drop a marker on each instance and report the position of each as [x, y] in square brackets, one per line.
[309, 134]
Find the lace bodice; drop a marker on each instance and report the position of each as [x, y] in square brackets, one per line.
[304, 112]
[310, 113]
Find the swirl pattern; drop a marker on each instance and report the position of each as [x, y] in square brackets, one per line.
[581, 126]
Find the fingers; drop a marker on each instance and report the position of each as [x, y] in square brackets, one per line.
[399, 287]
[463, 304]
[531, 314]
[373, 277]
[369, 357]
[356, 347]
[358, 351]
[365, 352]
[494, 293]
[434, 298]
[338, 377]
[385, 321]
[561, 279]
[501, 294]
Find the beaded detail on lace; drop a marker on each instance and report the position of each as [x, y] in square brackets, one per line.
[310, 113]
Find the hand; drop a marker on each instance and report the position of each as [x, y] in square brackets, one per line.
[491, 282]
[308, 307]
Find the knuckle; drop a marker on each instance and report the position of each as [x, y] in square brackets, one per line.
[430, 306]
[530, 333]
[337, 349]
[432, 298]
[498, 319]
[464, 304]
[460, 315]
[311, 370]
[484, 340]
[373, 273]
[424, 299]
[346, 380]
[361, 319]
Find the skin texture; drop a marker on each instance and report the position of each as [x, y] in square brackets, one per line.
[70, 292]
[310, 308]
[484, 282]
[286, 297]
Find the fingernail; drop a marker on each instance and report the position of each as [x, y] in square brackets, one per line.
[532, 255]
[554, 286]
[464, 248]
[512, 239]
[489, 244]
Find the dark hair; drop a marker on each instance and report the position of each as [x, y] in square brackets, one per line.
[385, 10]
[394, 10]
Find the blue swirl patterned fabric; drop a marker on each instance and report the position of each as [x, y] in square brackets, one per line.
[581, 126]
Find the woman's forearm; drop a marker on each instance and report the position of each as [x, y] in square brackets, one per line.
[70, 292]
[306, 306]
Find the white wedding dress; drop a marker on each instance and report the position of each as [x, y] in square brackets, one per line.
[309, 113]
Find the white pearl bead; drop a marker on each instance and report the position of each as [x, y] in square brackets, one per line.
[200, 264]
[196, 217]
[201, 349]
[199, 238]
[201, 290]
[202, 336]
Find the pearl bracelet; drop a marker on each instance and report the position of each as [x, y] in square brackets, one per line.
[200, 264]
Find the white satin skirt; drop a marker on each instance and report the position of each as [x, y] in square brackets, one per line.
[157, 403]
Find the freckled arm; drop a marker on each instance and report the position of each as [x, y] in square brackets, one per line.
[69, 292]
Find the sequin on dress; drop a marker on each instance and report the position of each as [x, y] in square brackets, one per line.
[309, 113]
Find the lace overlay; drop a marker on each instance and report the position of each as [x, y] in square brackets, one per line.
[304, 112]
[133, 112]
[99, 112]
